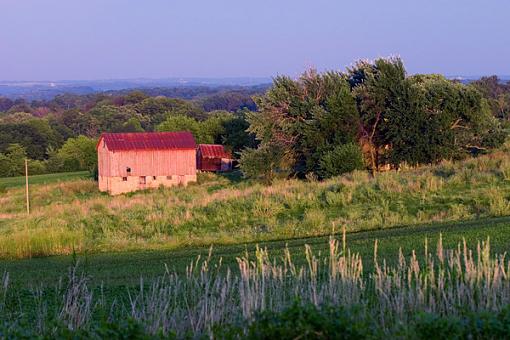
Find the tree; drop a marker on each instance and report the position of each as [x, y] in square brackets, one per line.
[131, 125]
[306, 118]
[229, 101]
[185, 123]
[266, 163]
[375, 86]
[342, 159]
[454, 120]
[135, 97]
[154, 110]
[34, 134]
[236, 137]
[214, 125]
[111, 118]
[497, 94]
[54, 163]
[81, 123]
[12, 162]
[79, 154]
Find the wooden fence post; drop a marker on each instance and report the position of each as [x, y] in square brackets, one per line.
[26, 186]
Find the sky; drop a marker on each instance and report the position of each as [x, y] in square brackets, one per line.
[120, 39]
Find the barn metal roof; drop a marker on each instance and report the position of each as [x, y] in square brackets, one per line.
[148, 140]
[213, 151]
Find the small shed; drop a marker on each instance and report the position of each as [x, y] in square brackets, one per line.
[213, 157]
[141, 160]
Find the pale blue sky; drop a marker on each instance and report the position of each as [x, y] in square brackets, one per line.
[102, 39]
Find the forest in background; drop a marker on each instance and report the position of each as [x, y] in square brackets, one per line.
[373, 115]
[60, 134]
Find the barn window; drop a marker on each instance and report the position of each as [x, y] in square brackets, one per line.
[169, 177]
[124, 179]
[154, 177]
[128, 170]
[142, 180]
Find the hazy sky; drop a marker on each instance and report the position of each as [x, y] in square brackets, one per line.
[103, 39]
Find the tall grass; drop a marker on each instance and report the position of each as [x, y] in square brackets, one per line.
[74, 215]
[442, 282]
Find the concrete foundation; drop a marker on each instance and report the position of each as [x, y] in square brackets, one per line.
[121, 185]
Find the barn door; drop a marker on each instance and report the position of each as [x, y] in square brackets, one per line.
[181, 180]
[141, 182]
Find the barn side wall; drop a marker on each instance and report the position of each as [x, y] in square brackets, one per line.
[153, 163]
[149, 169]
[215, 164]
[210, 164]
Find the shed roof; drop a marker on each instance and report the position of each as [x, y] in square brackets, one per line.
[213, 151]
[148, 140]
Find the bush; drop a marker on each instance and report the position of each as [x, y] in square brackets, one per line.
[78, 154]
[266, 163]
[36, 167]
[481, 325]
[342, 159]
[306, 322]
[12, 162]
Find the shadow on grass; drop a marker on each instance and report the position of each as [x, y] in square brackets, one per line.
[234, 177]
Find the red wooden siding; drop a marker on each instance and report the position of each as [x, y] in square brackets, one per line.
[213, 157]
[152, 163]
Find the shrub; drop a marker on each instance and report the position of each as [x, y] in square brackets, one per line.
[342, 159]
[12, 162]
[79, 154]
[310, 322]
[36, 167]
[265, 163]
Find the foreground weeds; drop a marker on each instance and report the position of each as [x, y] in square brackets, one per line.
[436, 291]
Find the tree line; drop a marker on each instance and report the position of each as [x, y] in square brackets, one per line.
[374, 116]
[60, 135]
[371, 116]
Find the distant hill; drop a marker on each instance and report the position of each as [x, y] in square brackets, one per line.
[469, 79]
[47, 90]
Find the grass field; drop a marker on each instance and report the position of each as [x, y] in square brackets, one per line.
[73, 216]
[12, 182]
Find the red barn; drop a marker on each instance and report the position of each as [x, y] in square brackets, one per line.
[136, 161]
[213, 157]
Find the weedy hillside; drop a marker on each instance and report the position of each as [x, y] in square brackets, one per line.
[73, 216]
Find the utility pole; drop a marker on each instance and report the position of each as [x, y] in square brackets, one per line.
[26, 186]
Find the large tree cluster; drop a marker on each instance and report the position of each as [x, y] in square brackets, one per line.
[372, 115]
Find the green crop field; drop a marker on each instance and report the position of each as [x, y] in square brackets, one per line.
[126, 268]
[11, 182]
